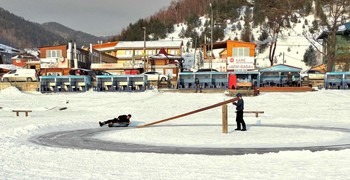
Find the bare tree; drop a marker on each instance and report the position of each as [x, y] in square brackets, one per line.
[175, 8]
[274, 15]
[330, 14]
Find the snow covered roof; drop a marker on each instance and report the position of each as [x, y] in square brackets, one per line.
[322, 68]
[217, 52]
[8, 49]
[164, 55]
[149, 44]
[8, 66]
[25, 55]
[345, 28]
[105, 46]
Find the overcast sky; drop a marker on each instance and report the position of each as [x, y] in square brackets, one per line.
[96, 17]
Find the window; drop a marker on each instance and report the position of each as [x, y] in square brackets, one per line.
[151, 52]
[173, 52]
[138, 52]
[240, 52]
[53, 53]
[242, 78]
[128, 52]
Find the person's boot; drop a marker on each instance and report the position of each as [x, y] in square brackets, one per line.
[244, 127]
[237, 129]
[101, 124]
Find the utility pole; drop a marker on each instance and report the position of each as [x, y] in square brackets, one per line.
[194, 53]
[211, 38]
[144, 48]
[100, 42]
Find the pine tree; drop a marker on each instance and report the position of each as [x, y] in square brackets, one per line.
[263, 42]
[310, 57]
[246, 35]
[182, 33]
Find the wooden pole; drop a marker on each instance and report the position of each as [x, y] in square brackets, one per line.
[224, 118]
[191, 112]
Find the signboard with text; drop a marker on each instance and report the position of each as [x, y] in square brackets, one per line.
[106, 66]
[240, 63]
[60, 62]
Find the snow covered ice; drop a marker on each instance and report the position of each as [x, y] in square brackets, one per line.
[280, 126]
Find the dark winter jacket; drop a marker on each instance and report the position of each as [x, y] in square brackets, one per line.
[123, 119]
[239, 105]
[196, 81]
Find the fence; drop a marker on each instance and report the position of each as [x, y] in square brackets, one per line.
[64, 83]
[337, 80]
[206, 80]
[120, 83]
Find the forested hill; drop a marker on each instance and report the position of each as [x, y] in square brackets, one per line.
[69, 34]
[17, 32]
[187, 12]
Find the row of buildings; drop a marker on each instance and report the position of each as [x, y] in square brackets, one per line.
[165, 56]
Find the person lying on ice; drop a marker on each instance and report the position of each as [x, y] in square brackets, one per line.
[121, 121]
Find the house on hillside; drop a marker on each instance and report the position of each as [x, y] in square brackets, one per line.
[104, 58]
[166, 63]
[107, 48]
[26, 60]
[230, 55]
[6, 53]
[342, 54]
[137, 55]
[60, 59]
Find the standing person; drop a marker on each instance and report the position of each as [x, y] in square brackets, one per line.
[121, 121]
[289, 79]
[198, 85]
[239, 117]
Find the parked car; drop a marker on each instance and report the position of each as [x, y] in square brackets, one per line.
[104, 73]
[207, 70]
[312, 75]
[155, 76]
[27, 75]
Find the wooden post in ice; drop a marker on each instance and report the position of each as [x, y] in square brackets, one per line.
[224, 118]
[191, 112]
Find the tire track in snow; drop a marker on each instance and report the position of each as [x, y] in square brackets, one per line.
[83, 139]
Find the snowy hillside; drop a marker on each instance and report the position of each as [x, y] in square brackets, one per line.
[291, 42]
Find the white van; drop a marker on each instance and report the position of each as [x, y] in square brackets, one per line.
[28, 75]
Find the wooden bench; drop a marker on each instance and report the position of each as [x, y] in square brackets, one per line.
[18, 111]
[256, 112]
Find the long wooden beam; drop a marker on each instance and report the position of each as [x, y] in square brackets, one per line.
[191, 112]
